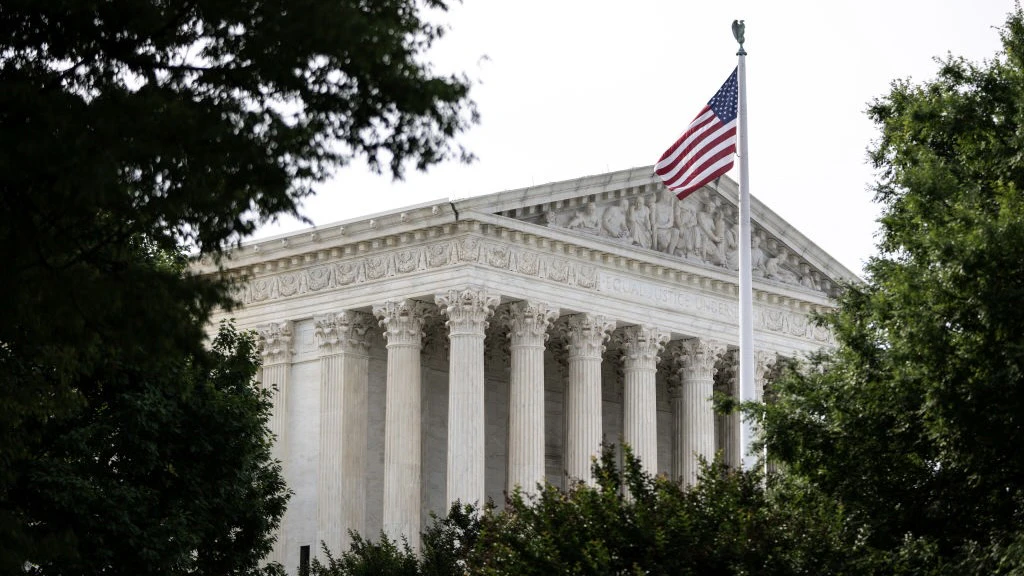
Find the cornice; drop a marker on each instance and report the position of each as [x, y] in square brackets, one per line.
[587, 251]
[296, 248]
[599, 187]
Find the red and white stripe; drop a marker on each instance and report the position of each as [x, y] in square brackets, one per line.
[703, 153]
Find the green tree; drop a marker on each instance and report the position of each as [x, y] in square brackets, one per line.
[128, 130]
[446, 545]
[729, 523]
[631, 523]
[914, 425]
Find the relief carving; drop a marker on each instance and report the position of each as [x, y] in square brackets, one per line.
[348, 272]
[439, 255]
[527, 262]
[319, 278]
[289, 285]
[378, 267]
[614, 221]
[792, 324]
[407, 261]
[498, 256]
[663, 216]
[640, 223]
[469, 249]
[586, 220]
[701, 228]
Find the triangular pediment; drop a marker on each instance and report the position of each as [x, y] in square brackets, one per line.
[632, 208]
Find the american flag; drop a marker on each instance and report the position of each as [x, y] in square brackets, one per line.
[705, 150]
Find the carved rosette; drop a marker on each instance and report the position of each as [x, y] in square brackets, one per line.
[403, 321]
[640, 346]
[342, 332]
[528, 322]
[585, 334]
[696, 358]
[275, 342]
[467, 310]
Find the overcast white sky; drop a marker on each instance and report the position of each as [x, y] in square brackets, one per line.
[572, 88]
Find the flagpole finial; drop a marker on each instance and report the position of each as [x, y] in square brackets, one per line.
[738, 27]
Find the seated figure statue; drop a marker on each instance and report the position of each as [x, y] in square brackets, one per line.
[640, 223]
[666, 235]
[586, 220]
[614, 221]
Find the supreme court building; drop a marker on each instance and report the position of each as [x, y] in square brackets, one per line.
[454, 350]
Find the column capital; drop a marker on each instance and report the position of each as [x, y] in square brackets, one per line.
[403, 321]
[342, 332]
[728, 371]
[275, 342]
[528, 321]
[696, 358]
[467, 309]
[640, 345]
[585, 334]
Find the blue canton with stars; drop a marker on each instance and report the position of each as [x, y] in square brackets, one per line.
[723, 103]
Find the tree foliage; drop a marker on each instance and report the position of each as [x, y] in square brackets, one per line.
[130, 129]
[626, 523]
[446, 545]
[914, 425]
[161, 468]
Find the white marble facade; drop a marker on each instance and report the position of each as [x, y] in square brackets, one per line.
[454, 350]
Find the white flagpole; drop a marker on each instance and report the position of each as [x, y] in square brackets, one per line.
[746, 281]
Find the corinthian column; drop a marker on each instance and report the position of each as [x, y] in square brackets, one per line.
[527, 323]
[764, 363]
[467, 311]
[640, 348]
[403, 329]
[344, 363]
[275, 343]
[693, 413]
[584, 335]
[727, 426]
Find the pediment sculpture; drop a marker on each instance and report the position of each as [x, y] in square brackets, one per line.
[702, 228]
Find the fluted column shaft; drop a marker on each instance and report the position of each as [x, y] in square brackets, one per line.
[403, 468]
[467, 311]
[344, 379]
[527, 323]
[727, 426]
[584, 335]
[764, 363]
[275, 342]
[640, 348]
[694, 413]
